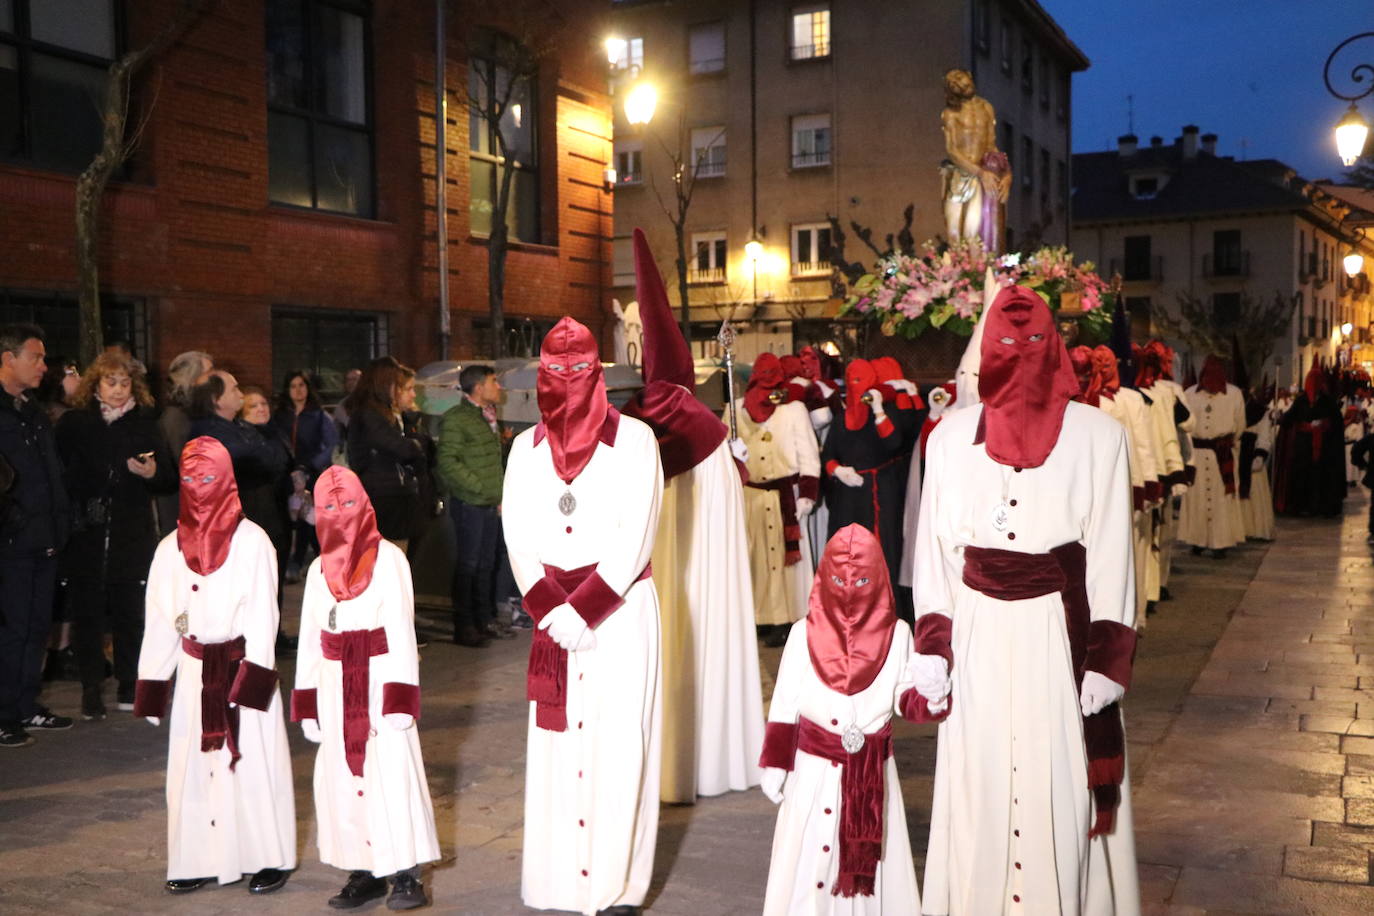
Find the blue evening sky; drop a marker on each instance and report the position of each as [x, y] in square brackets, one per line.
[1249, 71]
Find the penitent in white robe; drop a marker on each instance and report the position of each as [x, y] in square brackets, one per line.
[805, 862]
[1211, 517]
[591, 792]
[382, 821]
[784, 445]
[221, 823]
[1257, 512]
[1011, 772]
[712, 697]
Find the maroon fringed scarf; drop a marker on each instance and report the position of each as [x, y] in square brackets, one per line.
[355, 648]
[1103, 646]
[862, 785]
[1224, 447]
[787, 505]
[219, 722]
[546, 679]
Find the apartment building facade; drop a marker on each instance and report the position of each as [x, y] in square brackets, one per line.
[279, 211]
[788, 113]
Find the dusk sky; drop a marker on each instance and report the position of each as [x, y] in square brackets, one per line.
[1249, 71]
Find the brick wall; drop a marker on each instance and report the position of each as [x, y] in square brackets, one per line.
[193, 234]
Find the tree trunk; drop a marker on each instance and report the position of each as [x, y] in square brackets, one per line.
[496, 255]
[683, 288]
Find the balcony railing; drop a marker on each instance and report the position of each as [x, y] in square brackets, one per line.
[706, 275]
[711, 163]
[807, 52]
[1233, 264]
[810, 268]
[707, 65]
[1138, 270]
[810, 160]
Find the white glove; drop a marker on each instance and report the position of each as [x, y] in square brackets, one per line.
[804, 507]
[1257, 464]
[311, 729]
[820, 418]
[902, 384]
[848, 476]
[153, 720]
[773, 780]
[739, 450]
[567, 628]
[1178, 489]
[1099, 692]
[875, 401]
[930, 676]
[400, 721]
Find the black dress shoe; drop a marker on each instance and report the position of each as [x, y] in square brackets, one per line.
[361, 888]
[1164, 594]
[1219, 554]
[407, 893]
[1149, 608]
[472, 638]
[1197, 551]
[186, 885]
[267, 881]
[621, 910]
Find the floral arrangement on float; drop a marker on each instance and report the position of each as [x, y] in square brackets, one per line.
[941, 286]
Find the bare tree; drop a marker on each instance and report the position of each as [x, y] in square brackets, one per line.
[117, 143]
[845, 271]
[686, 168]
[1254, 327]
[503, 71]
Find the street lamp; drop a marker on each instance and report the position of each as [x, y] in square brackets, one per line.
[1352, 130]
[753, 250]
[640, 102]
[1347, 328]
[1354, 263]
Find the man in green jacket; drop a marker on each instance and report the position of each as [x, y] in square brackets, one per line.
[470, 468]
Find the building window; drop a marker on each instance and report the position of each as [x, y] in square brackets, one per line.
[523, 335]
[629, 162]
[1044, 81]
[1145, 188]
[1027, 164]
[1061, 106]
[325, 343]
[54, 57]
[623, 261]
[56, 314]
[1225, 309]
[1044, 176]
[1137, 260]
[810, 249]
[982, 24]
[810, 31]
[1004, 48]
[319, 124]
[708, 152]
[626, 54]
[1027, 67]
[810, 141]
[491, 90]
[1227, 258]
[708, 258]
[706, 48]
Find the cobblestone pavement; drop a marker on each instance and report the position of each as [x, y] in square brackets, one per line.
[1251, 743]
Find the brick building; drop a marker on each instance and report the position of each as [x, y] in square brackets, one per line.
[279, 211]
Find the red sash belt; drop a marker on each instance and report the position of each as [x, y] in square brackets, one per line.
[1317, 430]
[787, 504]
[354, 648]
[872, 474]
[219, 722]
[1224, 448]
[1011, 576]
[862, 789]
[546, 681]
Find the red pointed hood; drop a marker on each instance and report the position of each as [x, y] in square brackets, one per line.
[1213, 377]
[1150, 364]
[1314, 386]
[889, 370]
[1089, 385]
[667, 358]
[571, 391]
[1107, 370]
[859, 376]
[766, 378]
[811, 363]
[1025, 380]
[850, 621]
[347, 528]
[210, 508]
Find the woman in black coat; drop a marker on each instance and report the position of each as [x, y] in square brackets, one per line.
[311, 435]
[115, 461]
[391, 463]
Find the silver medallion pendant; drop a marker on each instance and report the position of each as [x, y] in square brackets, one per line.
[567, 503]
[1001, 516]
[181, 624]
[333, 617]
[852, 739]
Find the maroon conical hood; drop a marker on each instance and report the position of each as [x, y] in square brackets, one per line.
[667, 357]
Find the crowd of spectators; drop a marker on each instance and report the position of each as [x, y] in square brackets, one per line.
[89, 485]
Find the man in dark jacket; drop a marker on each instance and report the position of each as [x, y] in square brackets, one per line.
[470, 469]
[32, 530]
